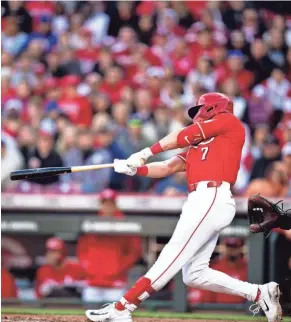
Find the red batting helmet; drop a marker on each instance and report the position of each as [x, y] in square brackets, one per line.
[209, 105]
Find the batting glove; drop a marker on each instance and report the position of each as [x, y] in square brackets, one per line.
[138, 159]
[121, 166]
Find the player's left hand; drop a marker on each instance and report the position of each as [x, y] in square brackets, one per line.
[138, 159]
[121, 166]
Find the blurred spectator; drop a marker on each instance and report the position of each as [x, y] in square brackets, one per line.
[11, 158]
[262, 131]
[203, 77]
[8, 285]
[233, 15]
[71, 103]
[44, 34]
[84, 153]
[107, 278]
[59, 277]
[113, 83]
[13, 40]
[271, 153]
[259, 107]
[252, 27]
[235, 69]
[26, 141]
[98, 21]
[286, 155]
[274, 184]
[277, 49]
[44, 154]
[123, 16]
[259, 63]
[174, 185]
[69, 64]
[17, 9]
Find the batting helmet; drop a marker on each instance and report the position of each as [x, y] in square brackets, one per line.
[209, 105]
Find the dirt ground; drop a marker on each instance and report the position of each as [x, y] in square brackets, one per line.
[68, 318]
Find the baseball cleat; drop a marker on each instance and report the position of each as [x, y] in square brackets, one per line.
[269, 302]
[109, 313]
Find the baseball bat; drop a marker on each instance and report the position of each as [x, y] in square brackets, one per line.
[49, 172]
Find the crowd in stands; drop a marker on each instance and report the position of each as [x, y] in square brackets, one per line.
[86, 82]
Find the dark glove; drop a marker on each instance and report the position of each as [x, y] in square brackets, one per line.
[265, 215]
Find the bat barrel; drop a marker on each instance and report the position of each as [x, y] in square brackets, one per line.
[38, 173]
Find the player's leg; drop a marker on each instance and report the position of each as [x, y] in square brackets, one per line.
[196, 273]
[198, 222]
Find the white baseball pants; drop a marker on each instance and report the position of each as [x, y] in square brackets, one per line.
[205, 213]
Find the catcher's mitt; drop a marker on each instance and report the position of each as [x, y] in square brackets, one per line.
[265, 215]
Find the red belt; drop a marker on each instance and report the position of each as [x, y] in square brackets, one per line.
[210, 184]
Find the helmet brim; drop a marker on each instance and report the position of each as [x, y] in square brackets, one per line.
[193, 111]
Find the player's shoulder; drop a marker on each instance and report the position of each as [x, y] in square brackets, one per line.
[231, 121]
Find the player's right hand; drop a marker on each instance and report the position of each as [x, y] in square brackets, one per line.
[121, 166]
[138, 159]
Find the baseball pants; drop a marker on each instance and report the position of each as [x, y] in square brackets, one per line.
[205, 213]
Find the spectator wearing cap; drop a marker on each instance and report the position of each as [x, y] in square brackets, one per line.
[85, 153]
[11, 158]
[13, 40]
[271, 152]
[274, 184]
[44, 154]
[59, 276]
[235, 69]
[146, 22]
[44, 33]
[154, 82]
[259, 63]
[76, 107]
[107, 278]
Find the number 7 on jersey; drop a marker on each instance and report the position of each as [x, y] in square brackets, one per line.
[204, 152]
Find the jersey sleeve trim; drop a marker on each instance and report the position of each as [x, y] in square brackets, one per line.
[202, 132]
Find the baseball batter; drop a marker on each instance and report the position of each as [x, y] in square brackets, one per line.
[213, 146]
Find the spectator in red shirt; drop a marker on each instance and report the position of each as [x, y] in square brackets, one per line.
[107, 259]
[76, 107]
[113, 83]
[8, 286]
[235, 69]
[181, 59]
[59, 277]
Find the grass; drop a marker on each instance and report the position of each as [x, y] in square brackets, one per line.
[185, 316]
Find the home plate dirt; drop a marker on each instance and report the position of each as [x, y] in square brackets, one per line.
[70, 318]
